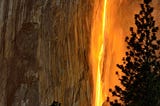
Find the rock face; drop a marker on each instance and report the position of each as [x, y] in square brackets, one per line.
[44, 47]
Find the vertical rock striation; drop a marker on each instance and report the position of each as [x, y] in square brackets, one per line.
[44, 46]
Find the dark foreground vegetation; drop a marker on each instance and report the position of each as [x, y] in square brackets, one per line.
[140, 71]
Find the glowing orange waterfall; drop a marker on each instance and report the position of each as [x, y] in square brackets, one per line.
[111, 20]
[97, 52]
[99, 93]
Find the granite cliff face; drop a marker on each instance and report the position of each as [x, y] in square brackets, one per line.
[44, 46]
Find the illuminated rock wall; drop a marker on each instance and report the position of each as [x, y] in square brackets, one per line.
[44, 48]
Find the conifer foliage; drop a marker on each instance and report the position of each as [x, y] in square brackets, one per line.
[140, 80]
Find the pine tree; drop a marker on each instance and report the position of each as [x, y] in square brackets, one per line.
[140, 80]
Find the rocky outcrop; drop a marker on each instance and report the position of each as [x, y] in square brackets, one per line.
[44, 47]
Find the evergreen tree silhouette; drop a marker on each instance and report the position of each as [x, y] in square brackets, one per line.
[140, 80]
